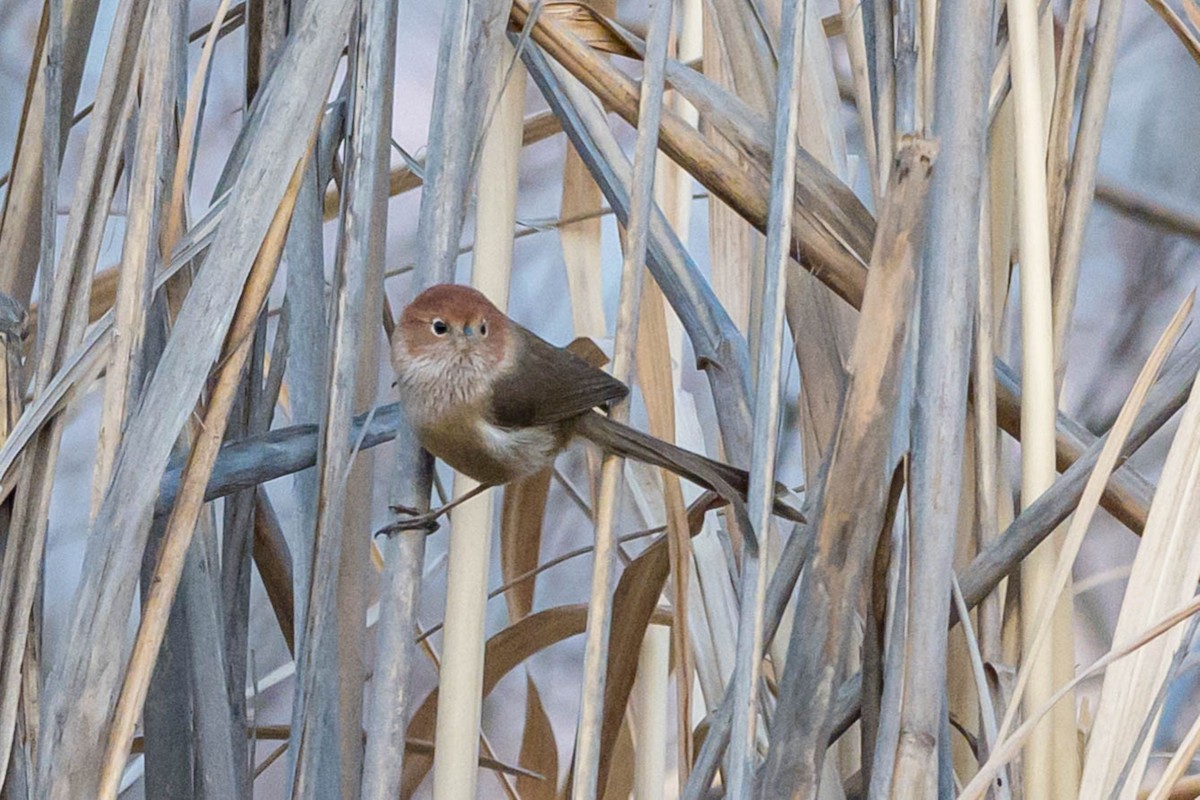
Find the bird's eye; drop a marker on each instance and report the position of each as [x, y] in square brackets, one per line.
[440, 328]
[483, 329]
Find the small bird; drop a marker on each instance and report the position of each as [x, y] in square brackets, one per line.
[497, 402]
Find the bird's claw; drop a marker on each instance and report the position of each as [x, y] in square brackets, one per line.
[412, 520]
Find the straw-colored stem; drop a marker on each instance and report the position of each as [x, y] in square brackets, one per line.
[461, 676]
[650, 729]
[1050, 763]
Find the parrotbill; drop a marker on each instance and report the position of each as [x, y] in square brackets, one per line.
[497, 402]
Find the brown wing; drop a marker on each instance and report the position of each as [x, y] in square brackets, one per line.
[562, 386]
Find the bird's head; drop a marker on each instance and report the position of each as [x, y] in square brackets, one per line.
[452, 323]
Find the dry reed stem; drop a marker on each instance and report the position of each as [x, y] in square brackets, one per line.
[456, 741]
[333, 640]
[1047, 766]
[855, 491]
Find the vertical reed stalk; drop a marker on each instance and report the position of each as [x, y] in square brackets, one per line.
[456, 746]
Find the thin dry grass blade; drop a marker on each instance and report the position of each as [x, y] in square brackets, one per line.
[141, 246]
[580, 241]
[1058, 157]
[731, 240]
[633, 606]
[658, 357]
[21, 224]
[654, 376]
[521, 516]
[1177, 26]
[273, 559]
[539, 753]
[1164, 572]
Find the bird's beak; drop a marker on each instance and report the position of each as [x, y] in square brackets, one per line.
[468, 331]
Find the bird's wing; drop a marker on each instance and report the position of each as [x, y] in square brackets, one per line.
[550, 385]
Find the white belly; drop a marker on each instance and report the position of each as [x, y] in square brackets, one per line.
[523, 450]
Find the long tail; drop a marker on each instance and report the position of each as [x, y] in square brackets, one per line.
[729, 482]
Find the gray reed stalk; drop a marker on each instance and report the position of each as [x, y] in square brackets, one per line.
[183, 735]
[943, 357]
[767, 400]
[185, 515]
[365, 222]
[308, 348]
[637, 229]
[265, 32]
[362, 233]
[855, 493]
[467, 54]
[82, 683]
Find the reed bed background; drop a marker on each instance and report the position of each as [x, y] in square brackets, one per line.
[931, 264]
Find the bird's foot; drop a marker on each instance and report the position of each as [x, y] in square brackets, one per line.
[412, 520]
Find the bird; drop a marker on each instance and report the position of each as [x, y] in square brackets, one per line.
[498, 403]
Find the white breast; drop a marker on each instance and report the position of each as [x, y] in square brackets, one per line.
[434, 388]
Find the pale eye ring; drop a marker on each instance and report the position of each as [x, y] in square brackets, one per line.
[440, 328]
[483, 328]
